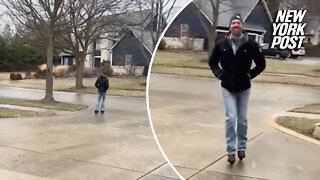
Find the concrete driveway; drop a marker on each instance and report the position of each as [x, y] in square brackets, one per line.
[81, 145]
[188, 117]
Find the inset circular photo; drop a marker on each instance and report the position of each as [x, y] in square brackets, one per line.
[224, 104]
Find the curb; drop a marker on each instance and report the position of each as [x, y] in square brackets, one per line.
[272, 123]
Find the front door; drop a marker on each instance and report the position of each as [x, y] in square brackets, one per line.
[97, 62]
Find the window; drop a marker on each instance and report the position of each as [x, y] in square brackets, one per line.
[65, 61]
[264, 46]
[184, 29]
[97, 62]
[127, 59]
[220, 35]
[252, 37]
[98, 45]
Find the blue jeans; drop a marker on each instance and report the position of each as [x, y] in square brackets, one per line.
[236, 104]
[100, 102]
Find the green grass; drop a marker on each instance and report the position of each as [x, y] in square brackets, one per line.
[310, 108]
[179, 59]
[200, 61]
[300, 125]
[196, 64]
[44, 105]
[14, 113]
[120, 86]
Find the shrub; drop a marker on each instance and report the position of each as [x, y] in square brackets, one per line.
[162, 45]
[106, 64]
[108, 71]
[72, 68]
[18, 76]
[27, 75]
[88, 72]
[42, 67]
[12, 76]
[40, 74]
[61, 71]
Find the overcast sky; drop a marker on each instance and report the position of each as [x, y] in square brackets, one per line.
[4, 19]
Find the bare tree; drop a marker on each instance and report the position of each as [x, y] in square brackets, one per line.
[160, 11]
[215, 7]
[311, 5]
[42, 18]
[273, 6]
[7, 33]
[211, 31]
[87, 21]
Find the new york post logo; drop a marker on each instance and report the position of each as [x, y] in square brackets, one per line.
[288, 28]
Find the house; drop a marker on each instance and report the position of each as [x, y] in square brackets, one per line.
[132, 51]
[128, 46]
[312, 30]
[189, 29]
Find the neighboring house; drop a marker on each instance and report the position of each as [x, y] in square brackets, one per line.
[312, 30]
[189, 29]
[66, 59]
[127, 48]
[132, 52]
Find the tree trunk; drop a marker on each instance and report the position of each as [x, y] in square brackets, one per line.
[49, 72]
[213, 32]
[79, 72]
[211, 40]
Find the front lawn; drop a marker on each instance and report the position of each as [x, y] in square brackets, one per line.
[196, 64]
[14, 113]
[120, 86]
[310, 108]
[62, 106]
[301, 125]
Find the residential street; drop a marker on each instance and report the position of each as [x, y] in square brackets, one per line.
[81, 145]
[188, 117]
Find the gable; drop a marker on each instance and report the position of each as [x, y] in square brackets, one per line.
[196, 20]
[259, 16]
[227, 9]
[130, 44]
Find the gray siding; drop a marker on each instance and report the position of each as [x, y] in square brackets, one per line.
[259, 16]
[192, 16]
[129, 44]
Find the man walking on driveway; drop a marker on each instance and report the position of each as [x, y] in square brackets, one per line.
[235, 54]
[102, 83]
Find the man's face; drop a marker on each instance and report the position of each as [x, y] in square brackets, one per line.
[236, 27]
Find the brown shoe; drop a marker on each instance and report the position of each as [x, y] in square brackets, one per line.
[231, 158]
[241, 154]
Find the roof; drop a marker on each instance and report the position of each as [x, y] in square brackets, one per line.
[145, 37]
[138, 17]
[131, 18]
[230, 7]
[62, 53]
[254, 27]
[133, 22]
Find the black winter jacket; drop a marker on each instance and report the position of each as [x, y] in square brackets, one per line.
[102, 83]
[235, 72]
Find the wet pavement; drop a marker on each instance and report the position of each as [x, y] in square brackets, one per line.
[188, 118]
[81, 145]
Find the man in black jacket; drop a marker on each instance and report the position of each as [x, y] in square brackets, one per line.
[102, 83]
[235, 54]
